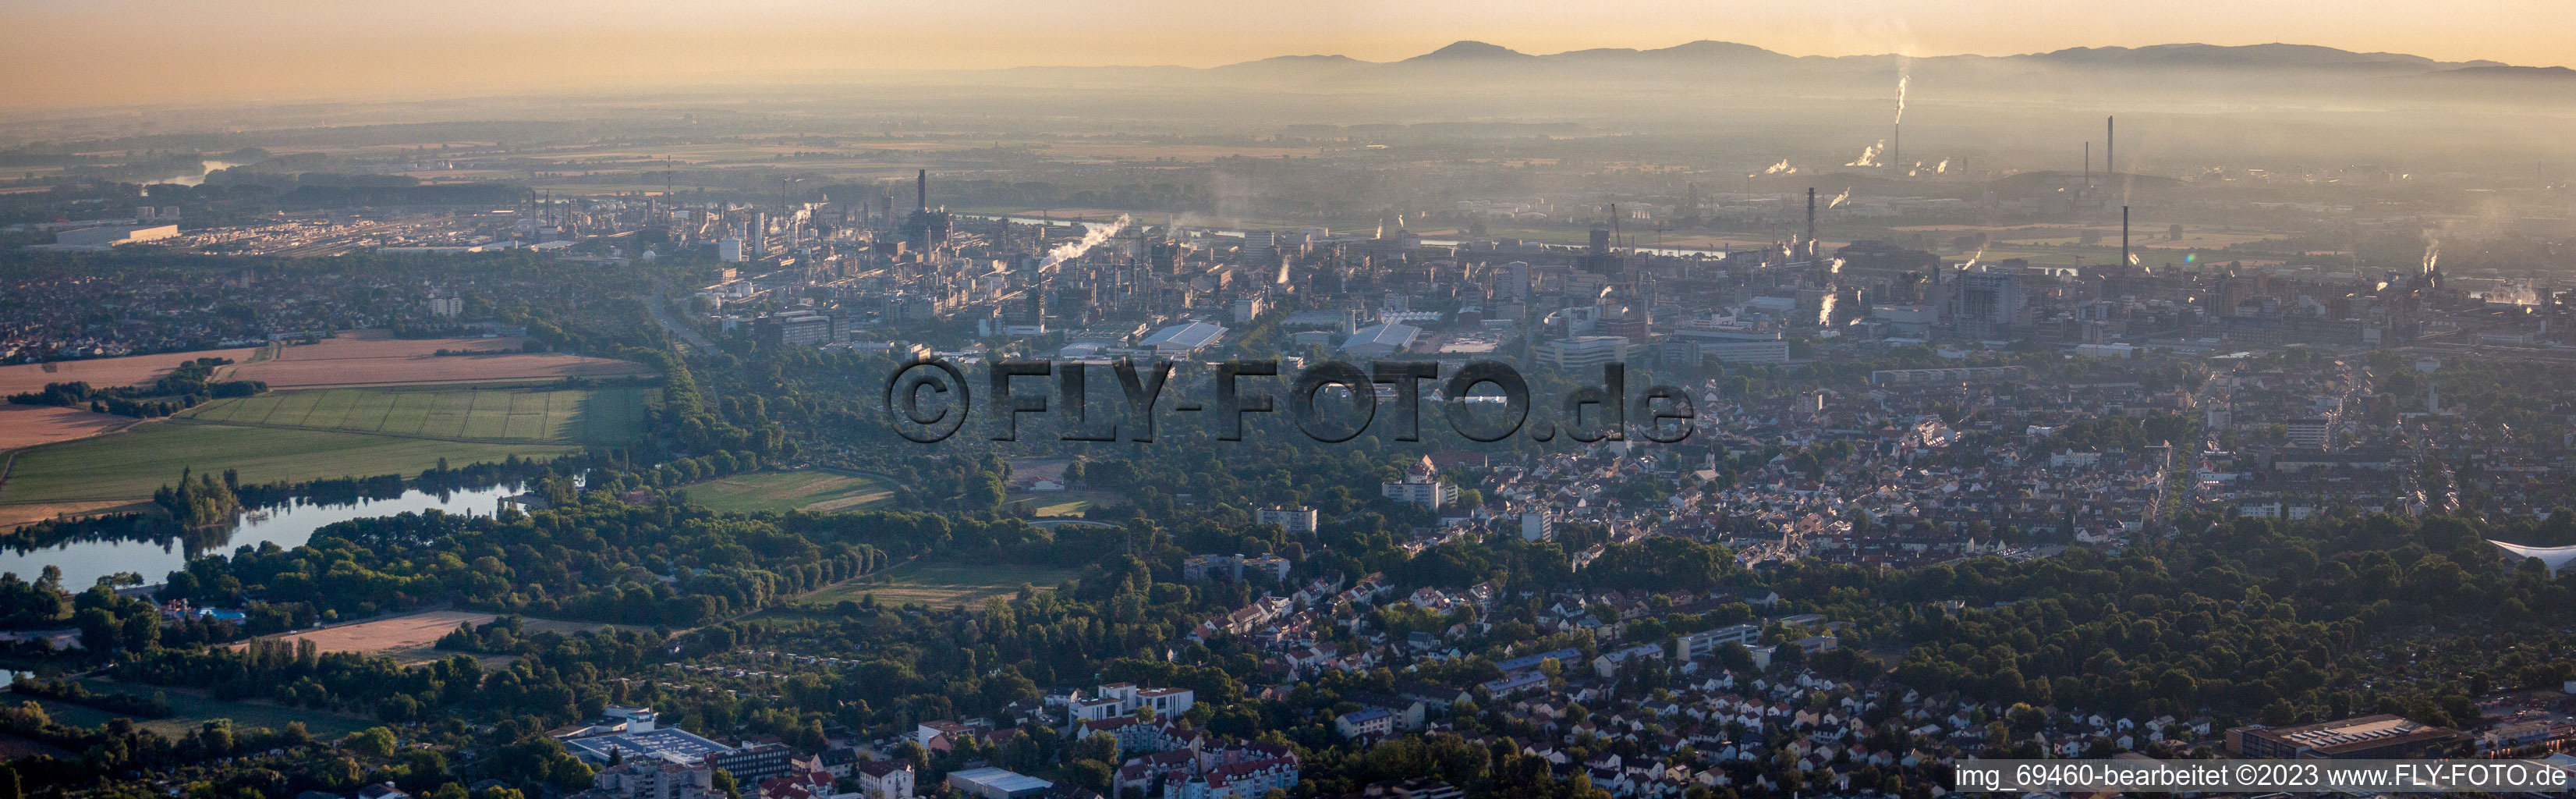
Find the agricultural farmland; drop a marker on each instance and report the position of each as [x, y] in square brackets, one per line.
[498, 415]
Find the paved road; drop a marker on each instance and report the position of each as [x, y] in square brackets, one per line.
[660, 306]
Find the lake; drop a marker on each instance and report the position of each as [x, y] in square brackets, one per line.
[83, 562]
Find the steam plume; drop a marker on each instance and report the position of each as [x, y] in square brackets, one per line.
[1869, 155]
[1782, 168]
[1072, 250]
[1839, 198]
[1901, 79]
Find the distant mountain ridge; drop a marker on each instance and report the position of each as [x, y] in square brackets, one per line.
[2181, 73]
[2185, 55]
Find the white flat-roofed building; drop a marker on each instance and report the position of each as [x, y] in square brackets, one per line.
[1183, 339]
[670, 744]
[1381, 340]
[1121, 699]
[994, 783]
[1706, 642]
[111, 235]
[1583, 352]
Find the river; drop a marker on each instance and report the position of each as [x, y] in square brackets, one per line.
[83, 562]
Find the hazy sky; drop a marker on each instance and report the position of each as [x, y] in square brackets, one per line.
[105, 52]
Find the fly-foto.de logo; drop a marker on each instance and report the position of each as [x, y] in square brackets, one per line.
[929, 400]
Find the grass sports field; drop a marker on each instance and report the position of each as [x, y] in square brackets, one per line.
[1059, 504]
[594, 416]
[810, 489]
[940, 584]
[194, 711]
[306, 435]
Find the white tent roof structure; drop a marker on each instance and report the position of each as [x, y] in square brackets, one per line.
[2554, 557]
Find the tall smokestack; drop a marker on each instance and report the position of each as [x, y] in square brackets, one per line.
[2110, 149]
[1896, 151]
[2088, 165]
[921, 189]
[1811, 221]
[2124, 235]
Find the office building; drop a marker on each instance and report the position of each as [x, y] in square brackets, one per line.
[1775, 351]
[1515, 281]
[752, 764]
[1420, 486]
[1294, 520]
[1537, 527]
[1987, 304]
[793, 329]
[1707, 643]
[1583, 353]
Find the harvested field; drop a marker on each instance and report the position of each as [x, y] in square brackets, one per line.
[411, 638]
[369, 358]
[15, 516]
[29, 425]
[397, 636]
[105, 372]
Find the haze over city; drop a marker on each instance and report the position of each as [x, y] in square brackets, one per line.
[1164, 400]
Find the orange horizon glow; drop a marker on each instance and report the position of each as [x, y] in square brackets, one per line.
[124, 52]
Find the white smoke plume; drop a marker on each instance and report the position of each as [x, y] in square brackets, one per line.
[2432, 253]
[1782, 168]
[1072, 250]
[1972, 259]
[1902, 78]
[1869, 155]
[1839, 199]
[1825, 309]
[1942, 168]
